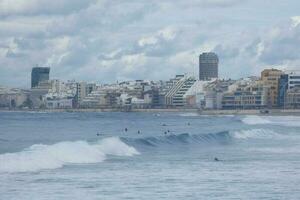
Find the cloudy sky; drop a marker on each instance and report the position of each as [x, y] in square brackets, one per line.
[110, 40]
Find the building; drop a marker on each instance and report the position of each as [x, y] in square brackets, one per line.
[80, 92]
[39, 74]
[270, 78]
[175, 97]
[208, 66]
[287, 82]
[246, 94]
[102, 98]
[37, 94]
[59, 103]
[282, 89]
[13, 98]
[207, 94]
[292, 98]
[294, 79]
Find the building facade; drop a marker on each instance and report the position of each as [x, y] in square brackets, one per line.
[292, 98]
[282, 89]
[208, 66]
[80, 93]
[246, 96]
[175, 97]
[294, 79]
[270, 78]
[38, 75]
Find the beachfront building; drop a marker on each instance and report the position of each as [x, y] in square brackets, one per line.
[246, 94]
[282, 89]
[271, 78]
[37, 94]
[292, 98]
[293, 79]
[80, 93]
[207, 94]
[60, 95]
[287, 82]
[65, 103]
[13, 97]
[175, 97]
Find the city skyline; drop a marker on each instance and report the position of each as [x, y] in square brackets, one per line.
[103, 41]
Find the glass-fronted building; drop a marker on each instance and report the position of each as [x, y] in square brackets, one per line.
[208, 66]
[39, 74]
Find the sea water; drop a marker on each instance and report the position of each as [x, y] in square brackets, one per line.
[148, 156]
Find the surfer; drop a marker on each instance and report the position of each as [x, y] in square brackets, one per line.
[98, 134]
[139, 131]
[216, 159]
[126, 129]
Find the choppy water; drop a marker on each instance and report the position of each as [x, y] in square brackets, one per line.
[160, 156]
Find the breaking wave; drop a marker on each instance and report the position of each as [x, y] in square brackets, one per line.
[288, 121]
[256, 134]
[220, 138]
[180, 139]
[38, 157]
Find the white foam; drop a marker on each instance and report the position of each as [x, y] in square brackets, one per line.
[189, 114]
[39, 156]
[254, 119]
[289, 121]
[277, 150]
[255, 134]
[114, 146]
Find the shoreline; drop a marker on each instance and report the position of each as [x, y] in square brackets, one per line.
[170, 110]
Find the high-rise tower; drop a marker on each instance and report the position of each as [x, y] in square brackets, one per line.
[39, 74]
[208, 66]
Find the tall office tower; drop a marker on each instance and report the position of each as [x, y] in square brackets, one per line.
[38, 75]
[208, 66]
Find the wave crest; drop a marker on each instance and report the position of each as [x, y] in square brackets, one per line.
[181, 139]
[288, 121]
[40, 156]
[255, 134]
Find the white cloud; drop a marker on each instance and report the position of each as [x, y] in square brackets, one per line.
[295, 21]
[121, 39]
[33, 7]
[166, 34]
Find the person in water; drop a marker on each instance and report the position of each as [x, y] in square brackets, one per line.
[139, 131]
[126, 129]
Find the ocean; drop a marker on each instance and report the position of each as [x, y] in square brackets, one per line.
[50, 156]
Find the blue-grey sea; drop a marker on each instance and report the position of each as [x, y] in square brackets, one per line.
[51, 156]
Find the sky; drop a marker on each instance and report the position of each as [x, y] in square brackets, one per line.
[106, 41]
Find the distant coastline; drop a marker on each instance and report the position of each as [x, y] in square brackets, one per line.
[174, 110]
